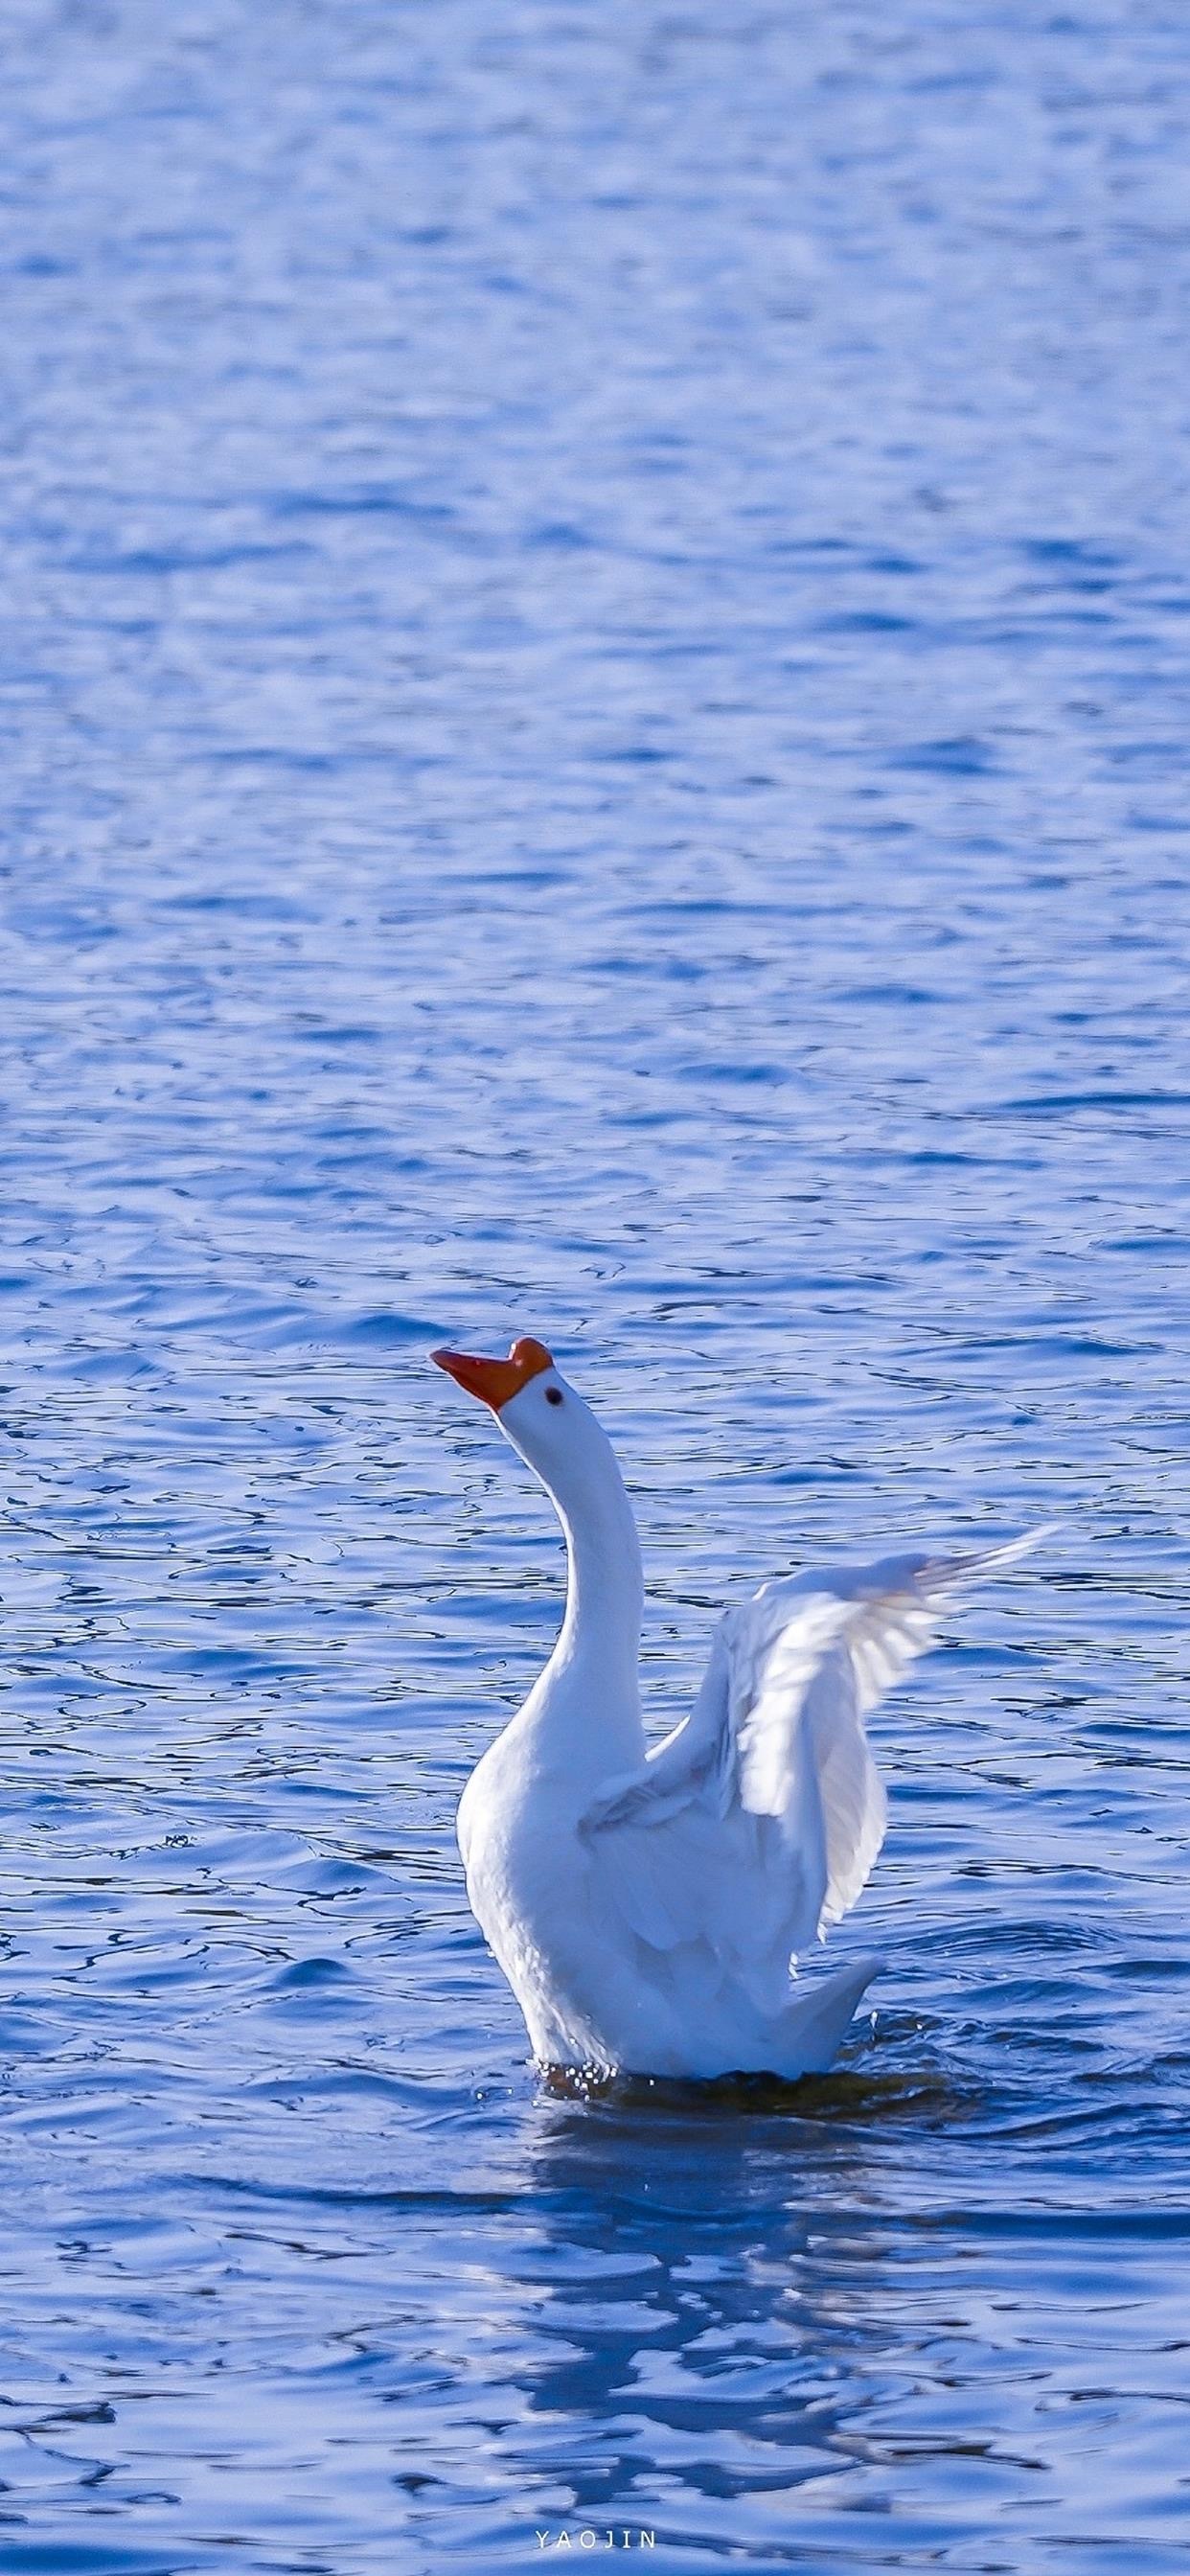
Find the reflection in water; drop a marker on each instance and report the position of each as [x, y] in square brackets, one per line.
[737, 2317]
[713, 2284]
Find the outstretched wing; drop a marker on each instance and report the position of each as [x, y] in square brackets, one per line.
[757, 1822]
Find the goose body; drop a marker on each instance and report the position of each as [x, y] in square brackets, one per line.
[647, 1906]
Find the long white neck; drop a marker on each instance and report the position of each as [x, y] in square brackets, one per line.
[604, 1583]
[587, 1702]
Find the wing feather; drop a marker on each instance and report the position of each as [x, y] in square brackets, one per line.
[757, 1822]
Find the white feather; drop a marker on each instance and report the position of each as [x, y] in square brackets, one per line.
[757, 1823]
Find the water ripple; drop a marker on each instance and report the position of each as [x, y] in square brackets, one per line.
[594, 700]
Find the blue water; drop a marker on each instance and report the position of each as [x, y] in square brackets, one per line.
[594, 695]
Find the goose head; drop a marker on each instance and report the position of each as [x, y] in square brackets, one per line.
[546, 1421]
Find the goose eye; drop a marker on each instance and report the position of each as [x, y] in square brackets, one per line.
[553, 1395]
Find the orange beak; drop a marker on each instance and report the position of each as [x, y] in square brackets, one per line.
[496, 1381]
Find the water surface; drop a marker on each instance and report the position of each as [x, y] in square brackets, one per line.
[594, 692]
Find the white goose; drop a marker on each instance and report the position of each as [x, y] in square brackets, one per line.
[646, 1907]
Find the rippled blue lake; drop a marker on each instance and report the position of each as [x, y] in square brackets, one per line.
[594, 694]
